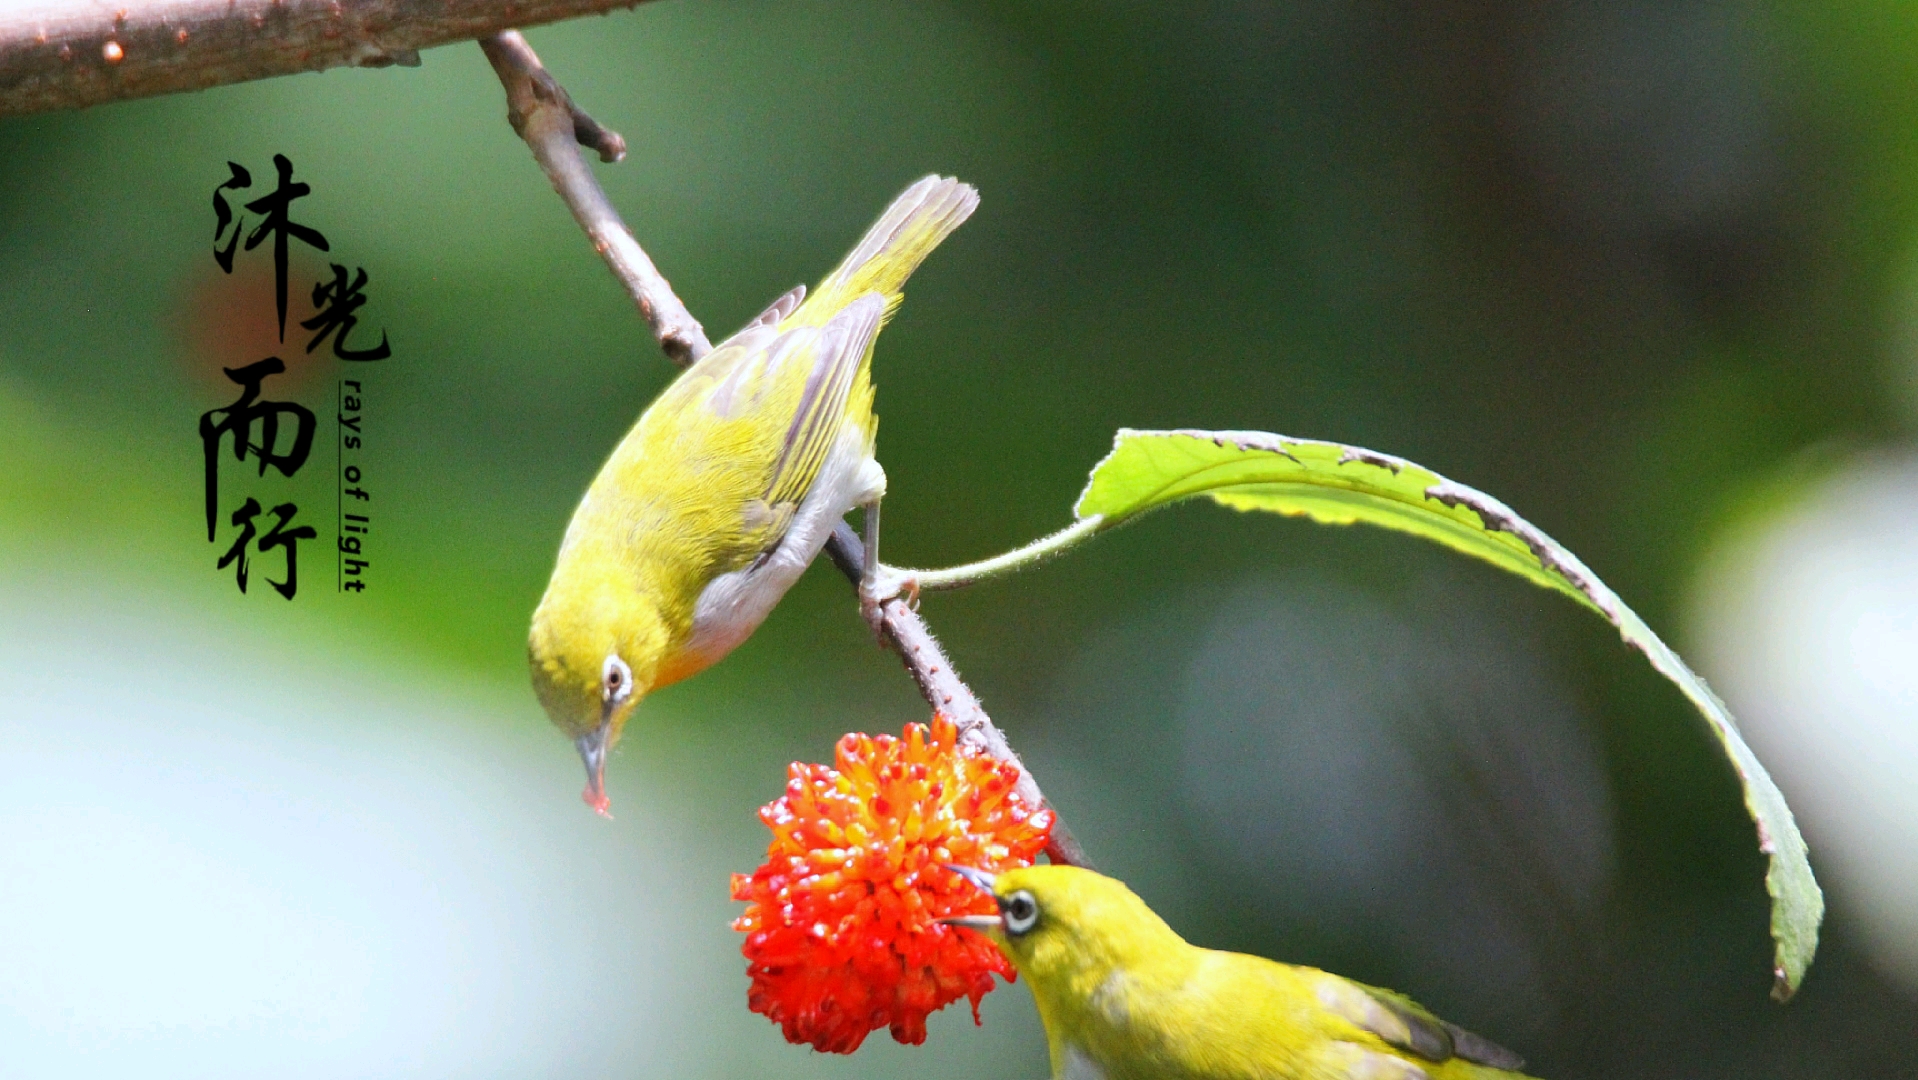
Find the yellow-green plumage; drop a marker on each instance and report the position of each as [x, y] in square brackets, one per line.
[1123, 997]
[728, 485]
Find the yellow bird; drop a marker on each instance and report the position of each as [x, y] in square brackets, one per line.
[726, 489]
[1123, 997]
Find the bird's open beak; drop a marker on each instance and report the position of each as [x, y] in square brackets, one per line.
[592, 751]
[977, 877]
[984, 881]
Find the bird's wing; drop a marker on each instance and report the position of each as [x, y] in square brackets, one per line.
[1481, 1050]
[780, 397]
[777, 311]
[1394, 1019]
[838, 356]
[1400, 1022]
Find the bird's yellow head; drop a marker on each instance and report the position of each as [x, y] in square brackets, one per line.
[1058, 922]
[593, 658]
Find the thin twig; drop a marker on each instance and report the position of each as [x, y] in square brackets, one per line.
[68, 54]
[546, 118]
[544, 115]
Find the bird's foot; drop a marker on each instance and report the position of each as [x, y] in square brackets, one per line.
[882, 586]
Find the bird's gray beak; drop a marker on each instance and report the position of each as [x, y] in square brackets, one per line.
[984, 881]
[977, 877]
[592, 751]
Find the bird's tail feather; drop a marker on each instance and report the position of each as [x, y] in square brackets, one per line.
[915, 223]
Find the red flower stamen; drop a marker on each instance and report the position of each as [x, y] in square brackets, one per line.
[842, 931]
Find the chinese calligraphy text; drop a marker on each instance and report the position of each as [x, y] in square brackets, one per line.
[280, 434]
[255, 427]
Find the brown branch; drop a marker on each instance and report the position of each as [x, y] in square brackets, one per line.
[67, 54]
[547, 119]
[545, 116]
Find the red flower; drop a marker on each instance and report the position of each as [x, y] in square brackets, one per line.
[841, 927]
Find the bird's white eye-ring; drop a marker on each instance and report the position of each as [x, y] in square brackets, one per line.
[615, 679]
[1020, 912]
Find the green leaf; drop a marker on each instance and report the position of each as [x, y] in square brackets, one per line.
[1339, 485]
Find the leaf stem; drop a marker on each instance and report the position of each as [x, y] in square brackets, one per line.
[1022, 558]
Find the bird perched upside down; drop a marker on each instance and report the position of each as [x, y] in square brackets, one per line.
[1123, 997]
[726, 489]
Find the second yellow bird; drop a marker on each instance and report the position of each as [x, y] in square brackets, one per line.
[726, 489]
[1123, 997]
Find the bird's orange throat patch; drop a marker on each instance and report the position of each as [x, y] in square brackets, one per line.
[679, 664]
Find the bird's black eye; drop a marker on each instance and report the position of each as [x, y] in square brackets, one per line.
[1020, 911]
[616, 679]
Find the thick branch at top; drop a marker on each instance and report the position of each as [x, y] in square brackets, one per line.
[65, 54]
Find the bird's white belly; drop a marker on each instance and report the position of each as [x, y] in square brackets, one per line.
[1080, 1067]
[733, 605]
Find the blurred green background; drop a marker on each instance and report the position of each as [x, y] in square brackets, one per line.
[1646, 272]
